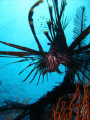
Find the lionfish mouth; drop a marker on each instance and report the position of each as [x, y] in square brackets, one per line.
[52, 63]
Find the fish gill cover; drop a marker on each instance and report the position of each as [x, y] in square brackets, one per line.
[75, 57]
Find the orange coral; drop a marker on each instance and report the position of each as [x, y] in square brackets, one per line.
[76, 105]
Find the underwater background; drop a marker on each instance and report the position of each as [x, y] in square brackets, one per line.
[14, 28]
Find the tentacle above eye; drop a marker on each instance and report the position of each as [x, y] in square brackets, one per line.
[32, 26]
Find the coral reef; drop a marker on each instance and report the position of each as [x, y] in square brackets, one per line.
[74, 106]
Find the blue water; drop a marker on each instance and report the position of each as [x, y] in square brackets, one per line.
[14, 28]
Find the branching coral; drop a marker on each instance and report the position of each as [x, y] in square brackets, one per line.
[73, 106]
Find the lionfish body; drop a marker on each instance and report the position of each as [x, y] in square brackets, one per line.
[75, 57]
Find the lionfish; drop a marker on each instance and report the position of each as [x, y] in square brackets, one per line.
[75, 57]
